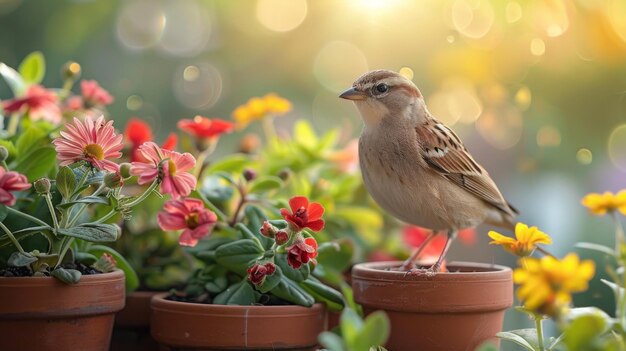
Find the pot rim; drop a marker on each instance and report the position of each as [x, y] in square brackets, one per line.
[43, 282]
[378, 271]
[159, 302]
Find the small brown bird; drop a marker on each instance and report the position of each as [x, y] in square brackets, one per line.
[416, 168]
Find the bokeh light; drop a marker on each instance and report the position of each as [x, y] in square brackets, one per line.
[456, 101]
[281, 15]
[584, 156]
[198, 86]
[472, 18]
[501, 126]
[338, 64]
[617, 147]
[548, 136]
[140, 24]
[537, 47]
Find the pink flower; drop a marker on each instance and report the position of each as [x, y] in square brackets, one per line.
[11, 181]
[304, 214]
[189, 215]
[74, 103]
[94, 94]
[40, 103]
[301, 252]
[176, 181]
[92, 141]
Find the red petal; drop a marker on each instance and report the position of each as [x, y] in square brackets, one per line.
[468, 236]
[316, 225]
[138, 131]
[285, 213]
[414, 236]
[298, 201]
[170, 142]
[315, 211]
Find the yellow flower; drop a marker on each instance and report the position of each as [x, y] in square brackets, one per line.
[546, 284]
[600, 204]
[258, 108]
[525, 242]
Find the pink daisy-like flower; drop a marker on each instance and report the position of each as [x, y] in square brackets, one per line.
[94, 94]
[188, 215]
[40, 103]
[93, 141]
[176, 180]
[9, 182]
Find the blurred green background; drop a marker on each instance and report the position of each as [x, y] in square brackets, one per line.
[535, 88]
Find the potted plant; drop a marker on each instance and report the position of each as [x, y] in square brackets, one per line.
[57, 278]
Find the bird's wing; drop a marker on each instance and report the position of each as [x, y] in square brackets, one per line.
[444, 152]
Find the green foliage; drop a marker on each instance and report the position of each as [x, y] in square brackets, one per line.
[13, 79]
[356, 333]
[526, 338]
[68, 276]
[132, 280]
[33, 68]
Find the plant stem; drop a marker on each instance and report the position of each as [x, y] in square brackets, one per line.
[539, 327]
[4, 164]
[202, 157]
[619, 235]
[543, 251]
[52, 212]
[145, 194]
[268, 128]
[27, 216]
[242, 202]
[220, 215]
[14, 122]
[13, 239]
[64, 249]
[620, 300]
[106, 216]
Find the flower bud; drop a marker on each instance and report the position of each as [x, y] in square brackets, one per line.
[106, 263]
[71, 70]
[4, 153]
[125, 170]
[258, 272]
[113, 180]
[284, 174]
[42, 186]
[281, 237]
[268, 230]
[249, 143]
[249, 174]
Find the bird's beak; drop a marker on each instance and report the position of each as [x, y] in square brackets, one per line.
[353, 94]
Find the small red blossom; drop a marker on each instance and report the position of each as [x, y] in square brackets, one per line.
[258, 272]
[281, 237]
[205, 128]
[40, 103]
[94, 94]
[170, 142]
[268, 230]
[11, 181]
[191, 216]
[302, 252]
[138, 132]
[304, 214]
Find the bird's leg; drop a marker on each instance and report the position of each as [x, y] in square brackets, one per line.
[437, 266]
[410, 262]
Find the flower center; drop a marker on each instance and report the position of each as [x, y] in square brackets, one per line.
[94, 151]
[171, 166]
[301, 213]
[192, 220]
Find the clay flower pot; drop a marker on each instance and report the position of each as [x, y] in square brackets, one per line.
[457, 311]
[132, 324]
[41, 313]
[192, 326]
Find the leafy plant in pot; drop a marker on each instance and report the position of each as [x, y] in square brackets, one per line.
[56, 276]
[257, 273]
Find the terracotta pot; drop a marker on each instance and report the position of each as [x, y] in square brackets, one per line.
[192, 326]
[132, 324]
[41, 313]
[452, 311]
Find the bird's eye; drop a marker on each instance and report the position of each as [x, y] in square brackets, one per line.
[382, 88]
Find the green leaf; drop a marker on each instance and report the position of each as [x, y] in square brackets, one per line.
[578, 312]
[265, 183]
[335, 255]
[234, 163]
[527, 338]
[85, 258]
[487, 346]
[304, 134]
[323, 293]
[237, 255]
[289, 290]
[90, 200]
[13, 79]
[10, 148]
[67, 276]
[218, 284]
[132, 280]
[240, 293]
[616, 288]
[331, 341]
[297, 275]
[24, 233]
[351, 324]
[584, 331]
[66, 182]
[28, 141]
[3, 212]
[596, 247]
[95, 232]
[40, 162]
[33, 68]
[21, 259]
[375, 331]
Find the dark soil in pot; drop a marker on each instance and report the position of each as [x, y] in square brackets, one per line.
[453, 311]
[132, 324]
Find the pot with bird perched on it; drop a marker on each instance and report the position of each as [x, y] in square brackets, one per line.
[417, 169]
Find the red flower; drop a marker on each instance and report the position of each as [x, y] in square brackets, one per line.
[281, 237]
[257, 273]
[9, 182]
[415, 237]
[40, 102]
[138, 132]
[170, 142]
[94, 94]
[304, 215]
[204, 128]
[301, 252]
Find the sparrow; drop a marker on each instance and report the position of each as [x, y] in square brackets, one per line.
[416, 168]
